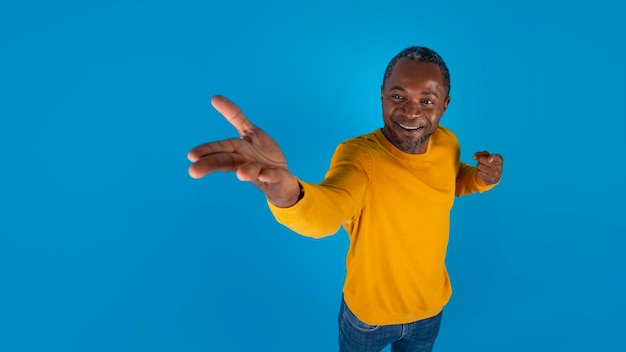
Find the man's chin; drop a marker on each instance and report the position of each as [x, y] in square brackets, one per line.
[407, 145]
[411, 146]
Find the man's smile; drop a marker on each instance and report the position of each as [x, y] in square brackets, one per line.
[409, 127]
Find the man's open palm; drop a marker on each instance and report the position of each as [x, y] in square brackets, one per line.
[255, 157]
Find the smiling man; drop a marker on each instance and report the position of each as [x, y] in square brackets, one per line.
[414, 96]
[392, 190]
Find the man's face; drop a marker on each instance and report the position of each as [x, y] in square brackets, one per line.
[414, 99]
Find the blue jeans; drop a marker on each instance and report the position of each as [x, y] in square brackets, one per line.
[357, 336]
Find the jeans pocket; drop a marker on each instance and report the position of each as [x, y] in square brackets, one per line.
[356, 322]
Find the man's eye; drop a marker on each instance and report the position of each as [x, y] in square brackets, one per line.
[396, 97]
[426, 101]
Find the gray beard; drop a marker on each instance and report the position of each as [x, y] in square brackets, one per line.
[406, 146]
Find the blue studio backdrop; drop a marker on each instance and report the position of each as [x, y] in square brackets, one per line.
[107, 244]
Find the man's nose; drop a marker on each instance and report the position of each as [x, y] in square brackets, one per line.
[412, 109]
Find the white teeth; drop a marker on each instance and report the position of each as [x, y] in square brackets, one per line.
[409, 127]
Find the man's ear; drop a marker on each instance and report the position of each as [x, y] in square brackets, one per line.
[381, 93]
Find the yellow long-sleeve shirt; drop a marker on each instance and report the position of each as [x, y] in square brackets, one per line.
[395, 208]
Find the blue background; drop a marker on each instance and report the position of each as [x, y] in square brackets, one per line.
[106, 243]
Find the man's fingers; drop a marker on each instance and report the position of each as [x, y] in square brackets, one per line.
[272, 175]
[496, 159]
[479, 155]
[249, 171]
[488, 178]
[233, 114]
[489, 159]
[256, 172]
[216, 162]
[484, 167]
[226, 146]
[483, 160]
[489, 167]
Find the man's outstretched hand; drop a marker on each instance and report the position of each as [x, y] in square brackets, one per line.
[255, 157]
[489, 167]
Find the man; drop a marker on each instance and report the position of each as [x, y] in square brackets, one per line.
[392, 190]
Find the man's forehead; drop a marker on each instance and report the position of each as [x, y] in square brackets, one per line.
[411, 66]
[408, 71]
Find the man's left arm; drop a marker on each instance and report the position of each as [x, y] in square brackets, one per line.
[484, 176]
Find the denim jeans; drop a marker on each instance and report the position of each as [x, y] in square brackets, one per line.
[357, 336]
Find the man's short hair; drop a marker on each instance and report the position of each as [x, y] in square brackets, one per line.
[422, 54]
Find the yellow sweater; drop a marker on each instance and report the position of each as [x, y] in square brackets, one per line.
[395, 208]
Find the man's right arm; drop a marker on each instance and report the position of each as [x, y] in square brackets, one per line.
[335, 201]
[255, 157]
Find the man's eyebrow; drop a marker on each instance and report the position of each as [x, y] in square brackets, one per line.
[398, 88]
[428, 92]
